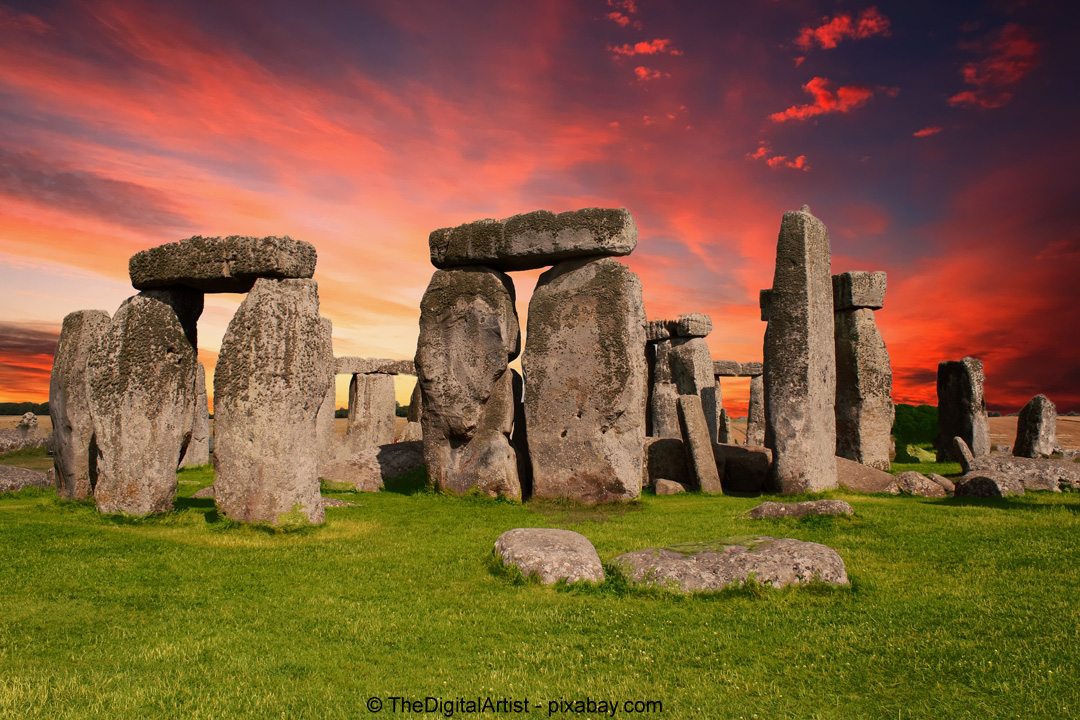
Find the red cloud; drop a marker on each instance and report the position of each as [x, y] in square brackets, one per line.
[927, 131]
[826, 101]
[618, 18]
[10, 20]
[645, 74]
[778, 161]
[831, 31]
[651, 47]
[1010, 55]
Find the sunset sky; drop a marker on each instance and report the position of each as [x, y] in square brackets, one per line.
[938, 142]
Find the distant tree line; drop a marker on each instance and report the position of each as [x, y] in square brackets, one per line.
[21, 408]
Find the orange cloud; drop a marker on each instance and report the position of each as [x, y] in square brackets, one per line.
[618, 18]
[11, 20]
[645, 74]
[927, 131]
[781, 161]
[828, 35]
[826, 100]
[650, 47]
[1010, 55]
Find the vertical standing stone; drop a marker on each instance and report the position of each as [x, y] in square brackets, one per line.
[680, 364]
[961, 408]
[726, 428]
[412, 432]
[699, 446]
[372, 408]
[664, 393]
[198, 449]
[692, 368]
[864, 407]
[74, 449]
[141, 384]
[268, 386]
[1036, 429]
[468, 333]
[800, 359]
[585, 382]
[755, 416]
[325, 436]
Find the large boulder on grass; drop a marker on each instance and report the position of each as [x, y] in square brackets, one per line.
[550, 554]
[775, 510]
[914, 483]
[13, 479]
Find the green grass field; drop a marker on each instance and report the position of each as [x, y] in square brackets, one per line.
[958, 609]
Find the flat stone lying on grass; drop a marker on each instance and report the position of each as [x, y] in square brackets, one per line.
[206, 492]
[914, 483]
[801, 509]
[13, 479]
[668, 487]
[221, 264]
[863, 478]
[536, 239]
[718, 564]
[988, 484]
[1049, 474]
[551, 554]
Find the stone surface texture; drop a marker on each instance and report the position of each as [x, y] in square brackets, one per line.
[1050, 474]
[198, 448]
[269, 384]
[221, 264]
[468, 333]
[746, 468]
[350, 365]
[859, 289]
[141, 395]
[1036, 429]
[755, 419]
[663, 392]
[74, 448]
[13, 479]
[987, 484]
[800, 360]
[585, 379]
[691, 371]
[801, 509]
[725, 431]
[665, 459]
[668, 487]
[731, 368]
[705, 472]
[914, 483]
[550, 554]
[961, 408]
[535, 239]
[765, 303]
[715, 565]
[864, 407]
[326, 437]
[863, 478]
[372, 407]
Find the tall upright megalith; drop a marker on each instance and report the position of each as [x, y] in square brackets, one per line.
[468, 333]
[800, 359]
[864, 407]
[371, 410]
[961, 408]
[325, 435]
[681, 364]
[755, 414]
[198, 449]
[1036, 429]
[141, 387]
[585, 381]
[268, 386]
[74, 449]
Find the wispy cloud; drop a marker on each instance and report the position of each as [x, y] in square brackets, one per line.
[826, 100]
[1010, 54]
[927, 131]
[833, 30]
[659, 46]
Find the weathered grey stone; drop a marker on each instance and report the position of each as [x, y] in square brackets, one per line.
[693, 325]
[858, 289]
[715, 565]
[663, 392]
[536, 239]
[775, 510]
[519, 436]
[14, 479]
[26, 434]
[400, 457]
[215, 264]
[585, 376]
[350, 365]
[1036, 429]
[551, 554]
[416, 405]
[746, 469]
[765, 303]
[326, 437]
[468, 333]
[141, 395]
[665, 459]
[755, 419]
[705, 470]
[372, 407]
[206, 492]
[668, 487]
[944, 482]
[198, 448]
[659, 330]
[691, 371]
[863, 478]
[961, 408]
[913, 483]
[962, 453]
[753, 369]
[1033, 473]
[269, 384]
[412, 432]
[864, 407]
[727, 368]
[366, 469]
[800, 360]
[987, 484]
[725, 428]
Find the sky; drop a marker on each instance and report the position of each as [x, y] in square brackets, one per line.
[936, 141]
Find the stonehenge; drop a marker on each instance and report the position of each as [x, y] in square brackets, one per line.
[961, 408]
[680, 363]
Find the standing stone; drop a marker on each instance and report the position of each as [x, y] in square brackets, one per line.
[74, 449]
[699, 446]
[198, 449]
[961, 408]
[268, 386]
[412, 432]
[326, 437]
[680, 364]
[726, 429]
[1036, 429]
[800, 360]
[755, 416]
[372, 407]
[141, 385]
[864, 407]
[585, 380]
[468, 333]
[692, 371]
[664, 393]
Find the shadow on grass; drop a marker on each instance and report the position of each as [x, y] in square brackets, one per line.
[1009, 503]
[413, 482]
[567, 512]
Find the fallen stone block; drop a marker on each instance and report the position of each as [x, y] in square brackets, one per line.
[550, 554]
[987, 484]
[13, 479]
[914, 483]
[775, 510]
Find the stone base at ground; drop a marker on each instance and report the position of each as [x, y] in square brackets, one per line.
[720, 563]
[668, 487]
[551, 554]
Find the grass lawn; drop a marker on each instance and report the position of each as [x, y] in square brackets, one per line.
[37, 458]
[958, 609]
